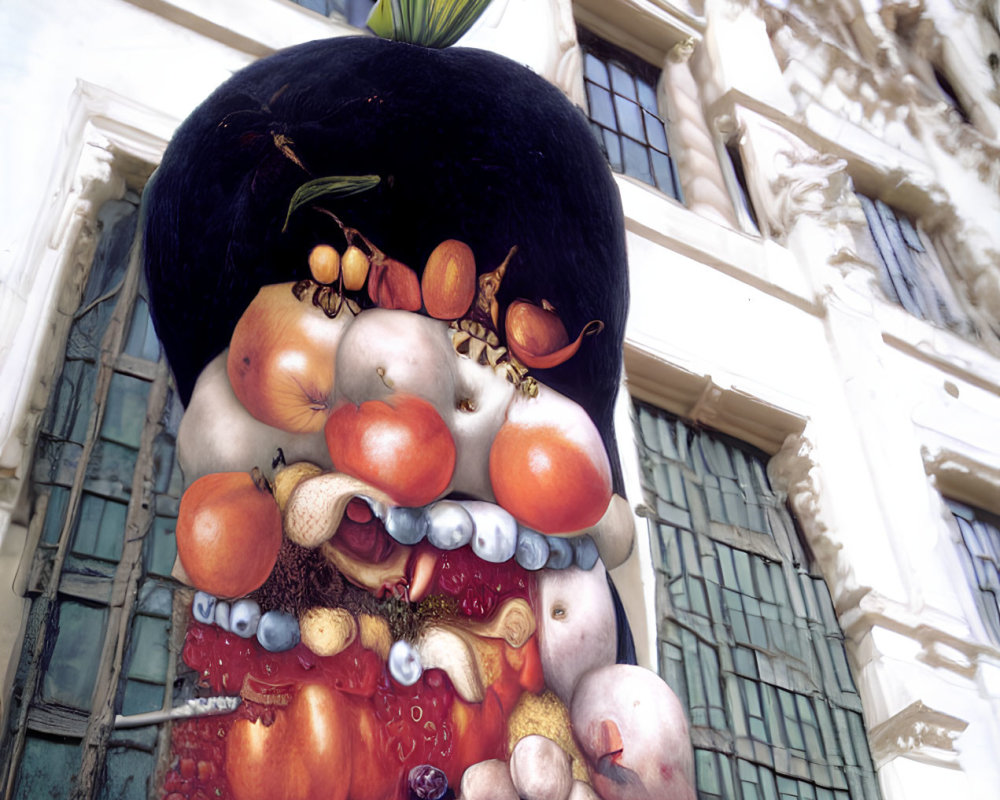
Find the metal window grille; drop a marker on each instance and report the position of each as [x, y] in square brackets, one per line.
[909, 272]
[625, 115]
[106, 488]
[748, 637]
[980, 551]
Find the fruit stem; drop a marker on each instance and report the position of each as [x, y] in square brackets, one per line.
[260, 481]
[486, 306]
[353, 234]
[279, 459]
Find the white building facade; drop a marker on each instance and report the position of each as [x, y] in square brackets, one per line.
[814, 249]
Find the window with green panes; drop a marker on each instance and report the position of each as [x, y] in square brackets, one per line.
[979, 549]
[98, 640]
[748, 637]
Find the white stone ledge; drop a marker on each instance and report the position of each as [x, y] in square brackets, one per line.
[648, 28]
[700, 399]
[940, 348]
[762, 264]
[259, 28]
[935, 638]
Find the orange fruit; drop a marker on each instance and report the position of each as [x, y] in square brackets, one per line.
[228, 533]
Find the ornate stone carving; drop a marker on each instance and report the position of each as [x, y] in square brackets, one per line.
[704, 187]
[807, 181]
[795, 476]
[920, 732]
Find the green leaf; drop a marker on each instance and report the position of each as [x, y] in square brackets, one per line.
[431, 23]
[332, 186]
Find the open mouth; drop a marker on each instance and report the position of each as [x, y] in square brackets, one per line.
[425, 581]
[417, 624]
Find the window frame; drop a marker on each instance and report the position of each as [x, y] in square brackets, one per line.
[645, 76]
[733, 750]
[910, 269]
[972, 521]
[61, 571]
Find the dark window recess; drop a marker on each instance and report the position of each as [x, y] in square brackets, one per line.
[736, 160]
[354, 11]
[909, 271]
[110, 427]
[748, 637]
[950, 95]
[621, 97]
[980, 552]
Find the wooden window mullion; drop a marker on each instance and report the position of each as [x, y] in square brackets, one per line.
[141, 510]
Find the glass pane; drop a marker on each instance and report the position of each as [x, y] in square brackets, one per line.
[172, 413]
[69, 410]
[128, 773]
[156, 599]
[621, 81]
[72, 668]
[630, 119]
[647, 95]
[142, 341]
[636, 160]
[141, 697]
[48, 767]
[656, 132]
[125, 415]
[599, 103]
[118, 219]
[161, 546]
[612, 146]
[55, 461]
[55, 515]
[163, 462]
[110, 470]
[148, 652]
[100, 528]
[594, 69]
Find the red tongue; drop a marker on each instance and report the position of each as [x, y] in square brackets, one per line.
[358, 511]
[364, 538]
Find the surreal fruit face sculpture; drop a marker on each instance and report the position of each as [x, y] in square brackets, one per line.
[364, 259]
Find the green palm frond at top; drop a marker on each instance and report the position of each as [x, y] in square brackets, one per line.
[431, 23]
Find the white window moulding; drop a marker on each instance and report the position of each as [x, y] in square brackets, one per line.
[648, 28]
[698, 398]
[258, 28]
[961, 475]
[111, 145]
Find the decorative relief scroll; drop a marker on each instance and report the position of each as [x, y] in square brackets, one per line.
[920, 732]
[794, 473]
[704, 187]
